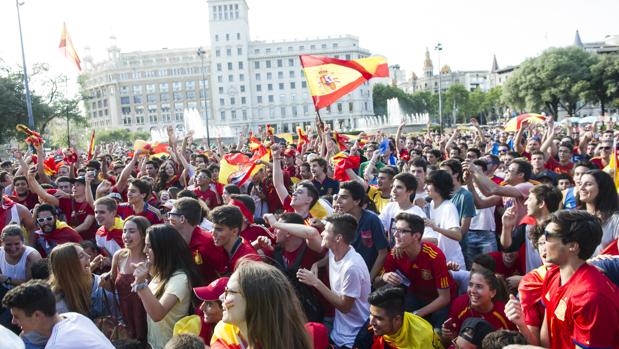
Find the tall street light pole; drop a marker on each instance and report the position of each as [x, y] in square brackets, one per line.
[23, 57]
[439, 48]
[201, 54]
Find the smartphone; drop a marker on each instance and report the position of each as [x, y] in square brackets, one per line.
[405, 281]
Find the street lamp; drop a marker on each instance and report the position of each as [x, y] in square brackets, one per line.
[201, 54]
[23, 57]
[439, 48]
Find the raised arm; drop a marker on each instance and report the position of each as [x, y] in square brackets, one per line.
[121, 183]
[36, 188]
[518, 139]
[278, 174]
[308, 233]
[43, 177]
[488, 187]
[398, 134]
[550, 134]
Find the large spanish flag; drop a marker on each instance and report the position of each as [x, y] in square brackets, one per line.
[329, 78]
[67, 48]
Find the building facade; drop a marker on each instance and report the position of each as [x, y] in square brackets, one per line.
[239, 84]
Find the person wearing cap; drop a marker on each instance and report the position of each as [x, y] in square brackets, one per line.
[227, 222]
[249, 231]
[472, 334]
[212, 311]
[75, 207]
[186, 216]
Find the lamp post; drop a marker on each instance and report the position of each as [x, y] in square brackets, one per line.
[201, 54]
[439, 48]
[23, 57]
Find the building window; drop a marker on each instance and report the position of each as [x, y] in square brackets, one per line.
[228, 52]
[216, 37]
[271, 98]
[301, 48]
[335, 45]
[163, 87]
[238, 35]
[279, 63]
[223, 116]
[259, 99]
[221, 90]
[293, 85]
[151, 98]
[220, 79]
[178, 96]
[280, 74]
[240, 65]
[312, 47]
[291, 62]
[258, 88]
[239, 51]
[257, 76]
[242, 88]
[229, 65]
[232, 101]
[222, 101]
[230, 78]
[177, 86]
[347, 57]
[227, 37]
[217, 53]
[137, 99]
[270, 87]
[283, 111]
[124, 100]
[339, 108]
[256, 65]
[269, 76]
[268, 63]
[150, 88]
[243, 100]
[281, 85]
[137, 89]
[324, 46]
[126, 110]
[241, 77]
[218, 66]
[233, 114]
[244, 114]
[190, 85]
[191, 94]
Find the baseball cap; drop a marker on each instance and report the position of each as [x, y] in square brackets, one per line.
[116, 196]
[474, 330]
[546, 174]
[79, 179]
[212, 291]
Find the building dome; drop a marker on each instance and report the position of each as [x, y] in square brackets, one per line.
[445, 69]
[414, 76]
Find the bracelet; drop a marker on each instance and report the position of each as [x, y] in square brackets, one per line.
[137, 287]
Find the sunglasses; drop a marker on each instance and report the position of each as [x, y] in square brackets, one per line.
[550, 234]
[45, 219]
[176, 214]
[502, 150]
[605, 148]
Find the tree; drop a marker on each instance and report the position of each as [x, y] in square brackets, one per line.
[120, 135]
[604, 81]
[455, 102]
[46, 106]
[559, 77]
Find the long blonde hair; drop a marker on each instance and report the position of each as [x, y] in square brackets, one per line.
[274, 316]
[67, 277]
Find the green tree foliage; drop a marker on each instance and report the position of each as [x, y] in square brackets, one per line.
[456, 103]
[47, 106]
[604, 81]
[559, 77]
[119, 135]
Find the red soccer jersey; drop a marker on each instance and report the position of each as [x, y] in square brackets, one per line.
[29, 201]
[502, 269]
[427, 273]
[461, 310]
[253, 231]
[583, 311]
[240, 249]
[149, 212]
[75, 213]
[530, 292]
[208, 196]
[210, 259]
[554, 166]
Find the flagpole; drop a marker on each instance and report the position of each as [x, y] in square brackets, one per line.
[66, 93]
[23, 57]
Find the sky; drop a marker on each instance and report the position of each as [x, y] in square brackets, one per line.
[469, 31]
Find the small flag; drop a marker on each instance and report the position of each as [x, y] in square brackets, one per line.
[342, 162]
[340, 139]
[67, 48]
[302, 139]
[91, 146]
[328, 79]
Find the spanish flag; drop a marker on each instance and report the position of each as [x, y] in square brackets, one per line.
[302, 139]
[67, 48]
[237, 168]
[91, 146]
[328, 79]
[341, 162]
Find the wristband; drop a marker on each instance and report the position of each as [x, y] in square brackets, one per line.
[138, 287]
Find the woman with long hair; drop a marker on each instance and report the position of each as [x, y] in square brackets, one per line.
[598, 195]
[172, 275]
[76, 288]
[260, 317]
[120, 277]
[484, 299]
[167, 176]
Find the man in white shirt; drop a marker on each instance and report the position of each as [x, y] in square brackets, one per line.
[33, 307]
[349, 279]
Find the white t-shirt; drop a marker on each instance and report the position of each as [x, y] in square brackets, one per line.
[387, 217]
[18, 270]
[610, 232]
[484, 218]
[524, 189]
[159, 333]
[446, 217]
[349, 277]
[77, 331]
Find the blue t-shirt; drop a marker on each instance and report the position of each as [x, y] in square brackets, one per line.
[369, 238]
[328, 183]
[463, 200]
[610, 267]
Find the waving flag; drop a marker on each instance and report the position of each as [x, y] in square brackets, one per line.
[328, 79]
[91, 146]
[67, 48]
[302, 139]
[341, 162]
[340, 139]
[514, 124]
[237, 168]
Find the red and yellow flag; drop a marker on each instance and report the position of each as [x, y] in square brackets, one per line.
[302, 139]
[91, 146]
[613, 166]
[328, 79]
[67, 48]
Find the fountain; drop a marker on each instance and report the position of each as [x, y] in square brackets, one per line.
[393, 119]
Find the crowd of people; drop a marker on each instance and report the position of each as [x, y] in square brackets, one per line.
[476, 238]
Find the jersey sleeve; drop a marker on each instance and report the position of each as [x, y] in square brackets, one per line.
[594, 324]
[440, 272]
[390, 264]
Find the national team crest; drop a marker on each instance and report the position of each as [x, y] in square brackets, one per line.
[426, 274]
[327, 80]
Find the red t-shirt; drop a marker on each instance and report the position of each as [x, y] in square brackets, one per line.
[502, 269]
[461, 310]
[208, 196]
[29, 201]
[149, 212]
[76, 213]
[44, 243]
[253, 231]
[530, 292]
[271, 194]
[427, 273]
[554, 166]
[241, 249]
[583, 311]
[210, 259]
